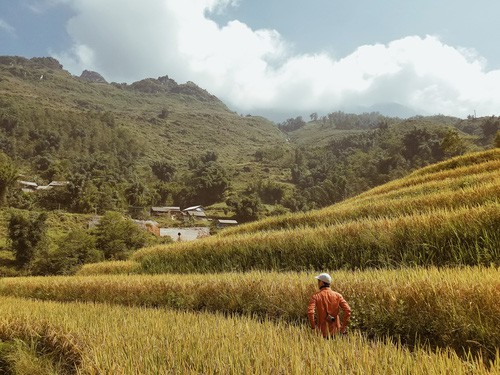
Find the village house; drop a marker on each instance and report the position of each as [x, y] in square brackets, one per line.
[195, 213]
[223, 223]
[173, 212]
[28, 186]
[58, 183]
[53, 185]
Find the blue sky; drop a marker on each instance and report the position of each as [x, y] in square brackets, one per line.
[286, 56]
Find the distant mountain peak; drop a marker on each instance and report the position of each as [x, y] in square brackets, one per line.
[35, 62]
[90, 76]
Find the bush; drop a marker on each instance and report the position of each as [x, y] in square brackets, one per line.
[117, 236]
[27, 234]
[74, 250]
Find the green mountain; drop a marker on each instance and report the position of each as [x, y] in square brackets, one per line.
[157, 142]
[161, 118]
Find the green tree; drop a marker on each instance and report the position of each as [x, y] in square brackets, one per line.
[246, 208]
[210, 182]
[268, 191]
[452, 144]
[117, 236]
[27, 235]
[109, 199]
[74, 249]
[292, 124]
[299, 170]
[8, 175]
[164, 170]
[207, 181]
[55, 198]
[88, 198]
[422, 147]
[138, 194]
[490, 127]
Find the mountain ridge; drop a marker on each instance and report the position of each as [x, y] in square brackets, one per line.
[162, 102]
[147, 139]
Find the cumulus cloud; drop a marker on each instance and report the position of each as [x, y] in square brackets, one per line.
[127, 40]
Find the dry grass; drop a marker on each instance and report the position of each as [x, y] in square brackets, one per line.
[118, 267]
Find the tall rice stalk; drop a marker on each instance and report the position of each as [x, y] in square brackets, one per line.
[467, 236]
[456, 308]
[119, 340]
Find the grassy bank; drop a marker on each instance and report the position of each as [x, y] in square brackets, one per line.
[465, 181]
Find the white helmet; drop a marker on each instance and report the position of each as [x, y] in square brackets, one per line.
[326, 278]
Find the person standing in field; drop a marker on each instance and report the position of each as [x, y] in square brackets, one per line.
[326, 305]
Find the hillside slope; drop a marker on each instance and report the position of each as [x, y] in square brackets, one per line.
[461, 182]
[327, 129]
[447, 214]
[127, 147]
[166, 119]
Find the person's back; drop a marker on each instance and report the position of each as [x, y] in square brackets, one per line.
[327, 305]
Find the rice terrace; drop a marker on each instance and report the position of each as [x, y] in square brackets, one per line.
[417, 259]
[240, 187]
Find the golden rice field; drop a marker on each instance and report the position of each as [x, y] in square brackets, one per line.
[447, 214]
[405, 201]
[417, 259]
[79, 338]
[464, 181]
[467, 236]
[115, 267]
[455, 308]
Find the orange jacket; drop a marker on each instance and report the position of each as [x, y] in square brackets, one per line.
[325, 302]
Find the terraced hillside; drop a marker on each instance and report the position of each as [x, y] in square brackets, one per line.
[443, 215]
[208, 321]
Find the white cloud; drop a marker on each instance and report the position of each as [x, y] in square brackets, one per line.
[42, 6]
[7, 27]
[127, 40]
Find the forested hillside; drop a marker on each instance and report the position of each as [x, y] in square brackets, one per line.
[119, 144]
[340, 155]
[156, 142]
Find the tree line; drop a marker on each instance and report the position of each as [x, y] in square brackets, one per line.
[104, 163]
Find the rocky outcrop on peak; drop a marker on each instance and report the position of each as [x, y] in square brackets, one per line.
[166, 81]
[90, 76]
[190, 88]
[47, 62]
[35, 62]
[153, 86]
[167, 85]
[34, 69]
